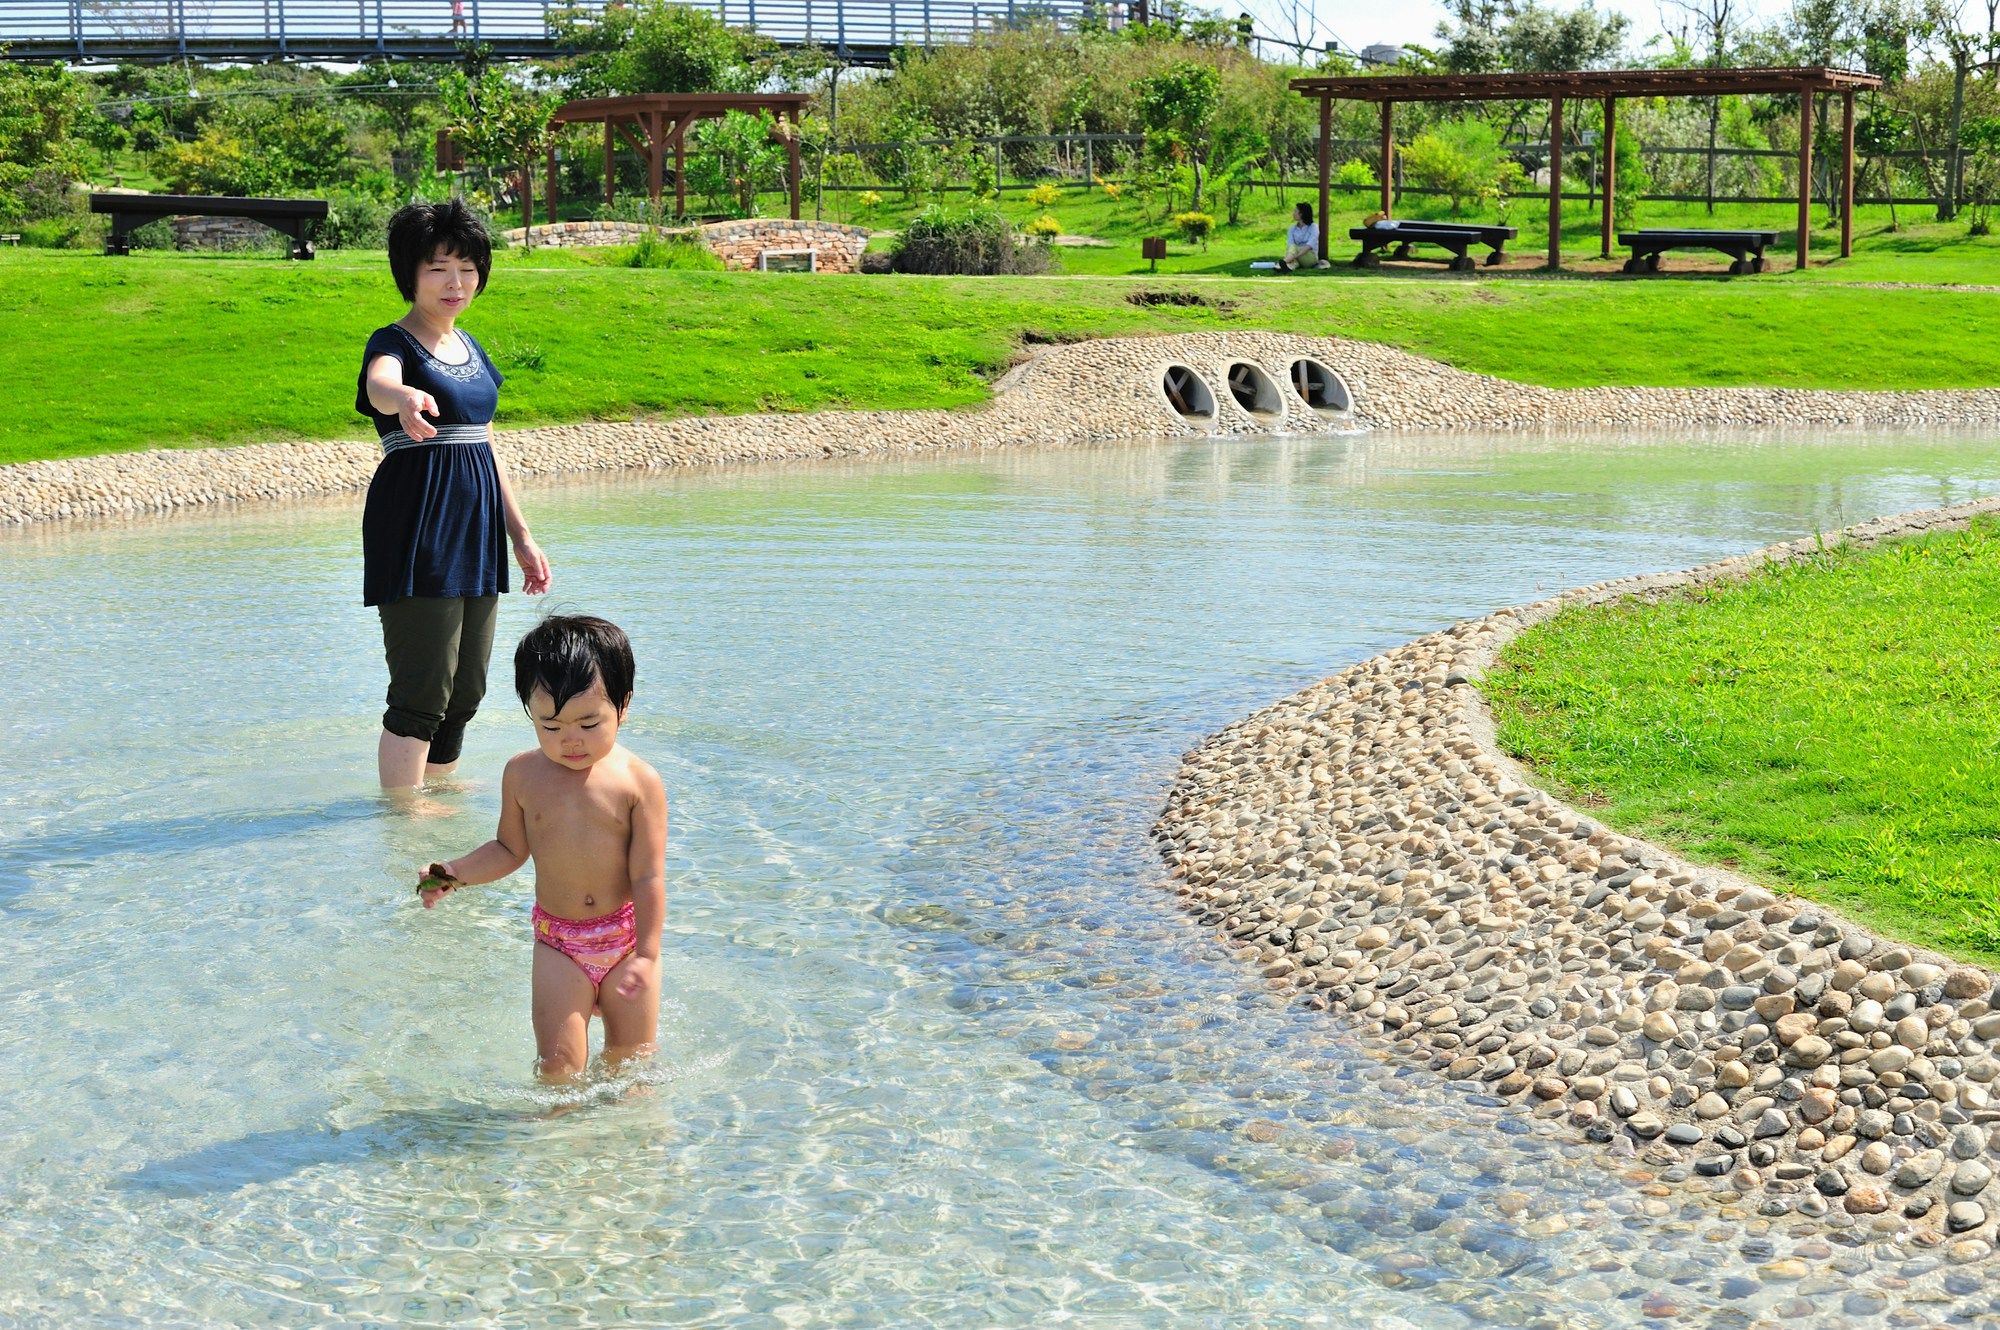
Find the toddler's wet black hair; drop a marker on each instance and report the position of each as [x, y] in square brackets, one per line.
[422, 229]
[565, 653]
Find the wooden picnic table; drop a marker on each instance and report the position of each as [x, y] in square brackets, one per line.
[1745, 248]
[1458, 237]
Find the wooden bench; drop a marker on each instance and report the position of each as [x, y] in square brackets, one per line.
[129, 212]
[1744, 248]
[1457, 237]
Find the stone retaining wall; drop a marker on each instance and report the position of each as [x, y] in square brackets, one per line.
[836, 248]
[586, 235]
[1087, 392]
[225, 233]
[738, 243]
[1367, 847]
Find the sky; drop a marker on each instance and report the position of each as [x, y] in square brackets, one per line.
[1359, 23]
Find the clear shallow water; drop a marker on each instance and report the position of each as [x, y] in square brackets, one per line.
[940, 1051]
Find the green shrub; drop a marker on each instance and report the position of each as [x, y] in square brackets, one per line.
[975, 242]
[1044, 195]
[1195, 227]
[1045, 227]
[1356, 173]
[354, 220]
[1459, 159]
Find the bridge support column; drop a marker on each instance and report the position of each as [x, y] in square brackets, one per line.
[610, 167]
[550, 188]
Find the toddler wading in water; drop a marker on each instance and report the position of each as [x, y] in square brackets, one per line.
[594, 819]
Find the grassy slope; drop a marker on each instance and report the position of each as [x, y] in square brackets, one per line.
[1827, 726]
[178, 349]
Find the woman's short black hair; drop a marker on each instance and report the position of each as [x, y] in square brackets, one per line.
[564, 653]
[422, 229]
[1306, 214]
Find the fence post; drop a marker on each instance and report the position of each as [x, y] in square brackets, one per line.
[1089, 162]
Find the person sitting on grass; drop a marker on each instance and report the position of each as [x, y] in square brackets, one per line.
[1302, 241]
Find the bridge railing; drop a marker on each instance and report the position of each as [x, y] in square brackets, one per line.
[204, 26]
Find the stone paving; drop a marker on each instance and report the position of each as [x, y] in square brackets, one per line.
[1365, 845]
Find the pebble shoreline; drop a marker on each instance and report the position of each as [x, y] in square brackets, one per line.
[1366, 845]
[1088, 392]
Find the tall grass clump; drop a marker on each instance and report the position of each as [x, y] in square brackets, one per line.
[683, 252]
[971, 242]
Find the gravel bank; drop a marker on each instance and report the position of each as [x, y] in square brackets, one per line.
[1089, 392]
[1365, 845]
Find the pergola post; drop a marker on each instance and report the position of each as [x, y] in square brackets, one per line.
[655, 182]
[1555, 182]
[551, 177]
[1388, 152]
[1805, 175]
[1325, 172]
[610, 165]
[680, 169]
[1609, 154]
[1847, 175]
[792, 162]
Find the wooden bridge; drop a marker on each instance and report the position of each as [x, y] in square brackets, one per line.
[351, 31]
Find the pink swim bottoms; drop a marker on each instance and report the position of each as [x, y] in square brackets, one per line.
[596, 945]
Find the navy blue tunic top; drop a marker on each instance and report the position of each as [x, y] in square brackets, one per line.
[434, 524]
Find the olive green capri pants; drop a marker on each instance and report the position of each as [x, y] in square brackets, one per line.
[437, 647]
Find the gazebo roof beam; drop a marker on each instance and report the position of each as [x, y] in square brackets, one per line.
[1583, 83]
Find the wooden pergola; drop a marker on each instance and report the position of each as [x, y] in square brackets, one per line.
[655, 123]
[1599, 85]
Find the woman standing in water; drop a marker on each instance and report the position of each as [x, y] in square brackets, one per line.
[440, 511]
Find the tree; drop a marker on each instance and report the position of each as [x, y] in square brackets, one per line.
[1489, 35]
[739, 157]
[43, 114]
[1981, 140]
[1943, 23]
[1178, 106]
[660, 46]
[499, 123]
[1708, 28]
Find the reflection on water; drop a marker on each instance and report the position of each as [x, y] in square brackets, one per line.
[939, 1050]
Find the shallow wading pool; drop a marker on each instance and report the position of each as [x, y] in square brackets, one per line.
[939, 1048]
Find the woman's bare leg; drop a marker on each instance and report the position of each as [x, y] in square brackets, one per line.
[399, 761]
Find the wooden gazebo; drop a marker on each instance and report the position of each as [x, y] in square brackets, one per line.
[1607, 86]
[654, 123]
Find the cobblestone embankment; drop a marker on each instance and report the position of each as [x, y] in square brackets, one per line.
[1088, 392]
[1365, 844]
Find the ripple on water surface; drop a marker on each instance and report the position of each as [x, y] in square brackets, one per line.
[940, 1050]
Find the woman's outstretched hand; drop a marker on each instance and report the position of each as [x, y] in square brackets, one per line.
[534, 565]
[416, 405]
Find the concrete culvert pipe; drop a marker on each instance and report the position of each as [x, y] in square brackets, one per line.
[1186, 394]
[1253, 390]
[1320, 388]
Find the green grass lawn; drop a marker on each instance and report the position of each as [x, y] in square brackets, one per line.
[160, 349]
[163, 350]
[1828, 727]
